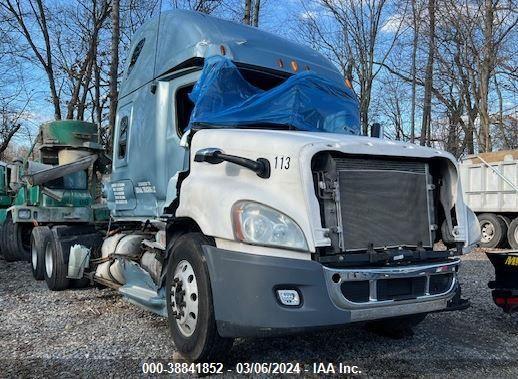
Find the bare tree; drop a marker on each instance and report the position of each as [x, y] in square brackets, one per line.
[247, 16]
[428, 83]
[360, 25]
[37, 11]
[11, 118]
[203, 6]
[257, 8]
[114, 65]
[416, 22]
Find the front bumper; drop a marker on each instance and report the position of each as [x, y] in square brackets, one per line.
[245, 302]
[44, 215]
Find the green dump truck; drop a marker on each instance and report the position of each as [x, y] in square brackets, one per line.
[57, 186]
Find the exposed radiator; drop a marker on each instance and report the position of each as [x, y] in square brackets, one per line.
[380, 203]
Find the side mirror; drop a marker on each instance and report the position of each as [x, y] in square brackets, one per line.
[209, 155]
[376, 130]
[213, 155]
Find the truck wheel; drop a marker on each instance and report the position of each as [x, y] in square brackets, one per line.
[5, 253]
[507, 223]
[190, 311]
[493, 230]
[39, 238]
[16, 241]
[397, 327]
[512, 234]
[55, 267]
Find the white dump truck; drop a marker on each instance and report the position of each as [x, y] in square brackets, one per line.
[244, 201]
[490, 182]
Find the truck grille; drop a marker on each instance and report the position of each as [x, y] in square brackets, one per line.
[378, 164]
[375, 203]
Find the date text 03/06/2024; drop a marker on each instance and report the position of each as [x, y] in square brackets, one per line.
[249, 368]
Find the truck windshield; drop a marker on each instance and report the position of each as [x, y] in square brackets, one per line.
[223, 97]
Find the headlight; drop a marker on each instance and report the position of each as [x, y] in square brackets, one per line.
[24, 214]
[258, 224]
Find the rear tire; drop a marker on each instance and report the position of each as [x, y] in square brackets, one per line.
[397, 327]
[189, 297]
[40, 236]
[493, 230]
[16, 240]
[55, 268]
[507, 222]
[512, 234]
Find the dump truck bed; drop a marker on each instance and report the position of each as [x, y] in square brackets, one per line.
[490, 181]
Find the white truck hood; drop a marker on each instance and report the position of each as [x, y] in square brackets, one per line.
[209, 191]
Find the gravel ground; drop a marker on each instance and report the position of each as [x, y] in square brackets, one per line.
[91, 332]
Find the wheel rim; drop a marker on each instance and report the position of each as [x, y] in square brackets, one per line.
[48, 260]
[516, 234]
[184, 298]
[34, 256]
[488, 232]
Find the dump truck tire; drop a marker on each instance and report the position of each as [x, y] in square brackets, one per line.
[493, 230]
[55, 267]
[512, 234]
[195, 334]
[507, 222]
[40, 236]
[15, 241]
[396, 327]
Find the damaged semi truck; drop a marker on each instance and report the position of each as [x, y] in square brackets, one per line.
[245, 202]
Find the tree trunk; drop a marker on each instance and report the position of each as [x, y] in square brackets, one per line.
[414, 68]
[365, 99]
[485, 73]
[81, 105]
[247, 15]
[427, 102]
[49, 66]
[97, 98]
[257, 8]
[114, 68]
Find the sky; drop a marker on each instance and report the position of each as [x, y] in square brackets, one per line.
[277, 16]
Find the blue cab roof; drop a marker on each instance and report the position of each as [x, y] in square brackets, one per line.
[176, 36]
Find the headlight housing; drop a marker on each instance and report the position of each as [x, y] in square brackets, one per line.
[258, 224]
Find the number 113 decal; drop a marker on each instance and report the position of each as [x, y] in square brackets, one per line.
[282, 162]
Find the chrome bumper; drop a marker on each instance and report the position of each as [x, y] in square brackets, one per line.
[374, 308]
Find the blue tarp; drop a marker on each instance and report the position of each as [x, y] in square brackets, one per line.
[305, 101]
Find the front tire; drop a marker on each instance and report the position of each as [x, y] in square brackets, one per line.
[40, 236]
[190, 310]
[55, 267]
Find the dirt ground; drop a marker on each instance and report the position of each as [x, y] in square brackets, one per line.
[92, 332]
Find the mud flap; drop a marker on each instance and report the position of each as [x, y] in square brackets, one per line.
[457, 303]
[68, 236]
[505, 286]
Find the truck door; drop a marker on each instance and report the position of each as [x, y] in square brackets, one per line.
[120, 192]
[176, 120]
